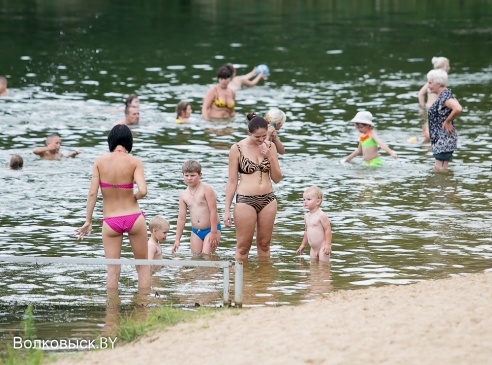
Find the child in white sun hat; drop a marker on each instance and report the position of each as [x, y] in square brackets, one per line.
[368, 141]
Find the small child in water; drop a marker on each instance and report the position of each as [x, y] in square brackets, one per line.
[317, 230]
[368, 141]
[159, 228]
[52, 149]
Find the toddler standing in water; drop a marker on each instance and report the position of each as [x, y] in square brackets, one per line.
[159, 228]
[368, 141]
[317, 226]
[199, 198]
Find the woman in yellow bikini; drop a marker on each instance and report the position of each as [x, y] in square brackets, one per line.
[219, 100]
[368, 141]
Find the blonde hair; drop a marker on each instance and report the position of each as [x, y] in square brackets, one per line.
[439, 62]
[316, 191]
[440, 77]
[275, 116]
[157, 222]
[192, 166]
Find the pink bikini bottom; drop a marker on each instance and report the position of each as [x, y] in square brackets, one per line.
[122, 223]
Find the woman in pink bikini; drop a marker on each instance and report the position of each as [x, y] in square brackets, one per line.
[115, 174]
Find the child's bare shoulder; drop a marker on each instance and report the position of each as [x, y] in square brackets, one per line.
[207, 186]
[152, 249]
[323, 215]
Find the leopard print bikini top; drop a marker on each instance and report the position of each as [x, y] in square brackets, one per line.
[246, 166]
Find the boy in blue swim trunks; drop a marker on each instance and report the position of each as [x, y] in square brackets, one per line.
[199, 198]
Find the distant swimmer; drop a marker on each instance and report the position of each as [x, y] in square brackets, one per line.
[132, 116]
[16, 162]
[52, 149]
[183, 112]
[238, 81]
[132, 101]
[219, 101]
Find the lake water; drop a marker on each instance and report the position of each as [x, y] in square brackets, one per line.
[71, 64]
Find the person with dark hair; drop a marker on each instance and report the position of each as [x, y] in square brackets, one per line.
[115, 173]
[16, 162]
[132, 101]
[183, 112]
[219, 101]
[238, 81]
[253, 161]
[51, 150]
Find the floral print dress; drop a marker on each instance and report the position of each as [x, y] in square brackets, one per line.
[441, 140]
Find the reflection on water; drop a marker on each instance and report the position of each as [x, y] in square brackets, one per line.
[397, 224]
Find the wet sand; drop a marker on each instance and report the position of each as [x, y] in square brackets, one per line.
[444, 321]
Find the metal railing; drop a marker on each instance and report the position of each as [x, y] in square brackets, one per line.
[225, 265]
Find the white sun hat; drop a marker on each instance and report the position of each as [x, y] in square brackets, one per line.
[363, 118]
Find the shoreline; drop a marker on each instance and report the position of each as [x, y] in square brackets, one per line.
[443, 321]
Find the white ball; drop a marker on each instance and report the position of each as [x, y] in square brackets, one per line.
[262, 68]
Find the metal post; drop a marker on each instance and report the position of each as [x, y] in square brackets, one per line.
[227, 274]
[238, 285]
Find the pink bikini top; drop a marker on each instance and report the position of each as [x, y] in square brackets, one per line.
[117, 186]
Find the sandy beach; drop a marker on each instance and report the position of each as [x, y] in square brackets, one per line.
[434, 322]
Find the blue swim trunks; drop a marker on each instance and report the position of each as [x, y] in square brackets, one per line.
[202, 233]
